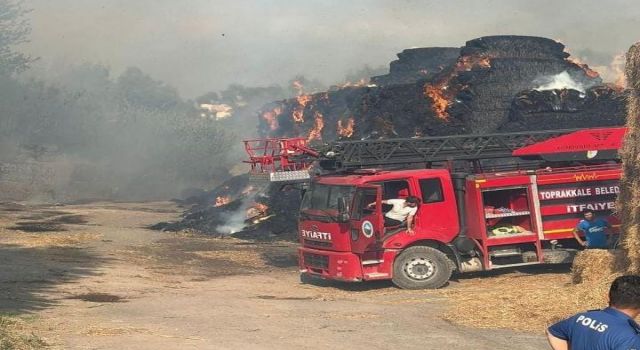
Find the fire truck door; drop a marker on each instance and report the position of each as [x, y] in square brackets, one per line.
[366, 220]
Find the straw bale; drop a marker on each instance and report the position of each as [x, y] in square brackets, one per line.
[629, 200]
[594, 265]
[632, 68]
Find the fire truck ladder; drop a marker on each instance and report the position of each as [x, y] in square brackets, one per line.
[397, 152]
[289, 159]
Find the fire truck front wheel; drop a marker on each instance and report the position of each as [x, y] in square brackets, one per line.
[421, 267]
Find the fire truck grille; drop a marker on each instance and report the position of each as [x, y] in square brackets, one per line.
[317, 243]
[318, 261]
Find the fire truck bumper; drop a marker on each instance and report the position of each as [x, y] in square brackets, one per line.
[343, 266]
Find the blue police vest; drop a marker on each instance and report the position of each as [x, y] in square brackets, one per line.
[606, 329]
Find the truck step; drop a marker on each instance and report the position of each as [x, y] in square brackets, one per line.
[497, 266]
[372, 262]
[377, 275]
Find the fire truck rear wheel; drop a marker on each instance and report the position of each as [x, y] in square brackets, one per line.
[421, 267]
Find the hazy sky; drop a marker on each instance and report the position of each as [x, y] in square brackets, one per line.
[204, 45]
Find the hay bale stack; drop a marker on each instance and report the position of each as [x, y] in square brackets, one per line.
[594, 266]
[629, 199]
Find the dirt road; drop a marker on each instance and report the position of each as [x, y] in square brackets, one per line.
[93, 277]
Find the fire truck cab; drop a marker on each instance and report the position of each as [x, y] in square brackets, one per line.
[344, 238]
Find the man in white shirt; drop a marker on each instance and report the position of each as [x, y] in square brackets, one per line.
[404, 210]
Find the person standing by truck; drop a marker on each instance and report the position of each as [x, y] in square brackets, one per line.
[610, 328]
[595, 230]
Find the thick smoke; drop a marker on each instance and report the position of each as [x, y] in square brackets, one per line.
[211, 44]
[75, 130]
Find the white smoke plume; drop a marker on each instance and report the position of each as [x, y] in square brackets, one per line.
[235, 220]
[560, 81]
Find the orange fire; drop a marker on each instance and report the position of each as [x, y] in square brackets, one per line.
[440, 94]
[298, 112]
[261, 207]
[298, 115]
[439, 102]
[303, 100]
[588, 71]
[272, 117]
[346, 129]
[222, 200]
[256, 210]
[316, 132]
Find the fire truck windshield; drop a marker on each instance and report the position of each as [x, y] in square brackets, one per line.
[324, 198]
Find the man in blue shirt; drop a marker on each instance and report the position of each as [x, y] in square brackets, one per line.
[608, 329]
[595, 232]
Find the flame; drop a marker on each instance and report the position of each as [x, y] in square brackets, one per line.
[272, 117]
[261, 207]
[439, 102]
[222, 200]
[257, 210]
[316, 132]
[298, 112]
[347, 129]
[588, 71]
[303, 100]
[298, 115]
[440, 94]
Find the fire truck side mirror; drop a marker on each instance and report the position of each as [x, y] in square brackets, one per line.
[343, 212]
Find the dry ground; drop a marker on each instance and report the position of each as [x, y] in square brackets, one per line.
[93, 277]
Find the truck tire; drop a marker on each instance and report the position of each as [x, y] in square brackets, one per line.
[421, 267]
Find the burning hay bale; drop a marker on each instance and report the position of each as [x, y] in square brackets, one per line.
[241, 209]
[629, 200]
[495, 83]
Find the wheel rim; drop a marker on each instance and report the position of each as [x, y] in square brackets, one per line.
[419, 268]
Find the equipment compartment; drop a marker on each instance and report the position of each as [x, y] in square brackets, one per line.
[506, 212]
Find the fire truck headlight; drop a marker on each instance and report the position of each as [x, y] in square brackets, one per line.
[354, 234]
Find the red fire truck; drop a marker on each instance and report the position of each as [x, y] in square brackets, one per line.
[487, 201]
